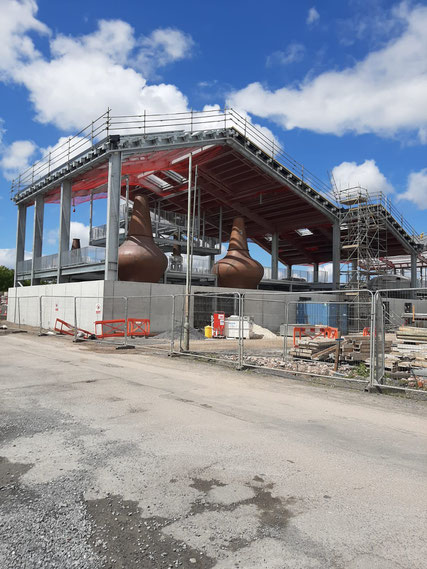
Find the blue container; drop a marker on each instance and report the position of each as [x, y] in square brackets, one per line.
[323, 314]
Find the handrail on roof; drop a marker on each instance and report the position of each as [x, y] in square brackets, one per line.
[106, 124]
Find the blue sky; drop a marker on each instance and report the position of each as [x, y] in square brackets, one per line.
[342, 85]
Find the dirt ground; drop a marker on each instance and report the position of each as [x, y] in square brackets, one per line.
[123, 459]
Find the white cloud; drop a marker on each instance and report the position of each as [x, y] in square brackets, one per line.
[16, 47]
[86, 74]
[293, 53]
[78, 230]
[163, 46]
[16, 158]
[384, 93]
[366, 175]
[7, 257]
[416, 189]
[312, 16]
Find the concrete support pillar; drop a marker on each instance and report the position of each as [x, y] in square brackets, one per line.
[414, 261]
[37, 236]
[336, 254]
[289, 272]
[64, 225]
[113, 215]
[316, 272]
[275, 256]
[21, 225]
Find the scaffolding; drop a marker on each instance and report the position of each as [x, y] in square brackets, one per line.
[364, 249]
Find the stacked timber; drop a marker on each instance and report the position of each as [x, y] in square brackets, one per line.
[355, 348]
[412, 335]
[409, 351]
[314, 349]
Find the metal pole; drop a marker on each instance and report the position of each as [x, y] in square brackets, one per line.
[40, 314]
[220, 228]
[241, 334]
[90, 216]
[75, 318]
[126, 320]
[372, 341]
[188, 275]
[193, 220]
[172, 346]
[285, 338]
[127, 207]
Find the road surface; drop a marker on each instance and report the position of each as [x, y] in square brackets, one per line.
[127, 459]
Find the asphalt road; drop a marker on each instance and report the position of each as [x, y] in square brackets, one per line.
[127, 459]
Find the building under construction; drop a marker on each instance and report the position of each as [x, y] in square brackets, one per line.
[235, 172]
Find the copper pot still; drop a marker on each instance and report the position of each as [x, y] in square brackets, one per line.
[237, 269]
[140, 260]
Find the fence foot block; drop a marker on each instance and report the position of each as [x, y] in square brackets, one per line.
[125, 347]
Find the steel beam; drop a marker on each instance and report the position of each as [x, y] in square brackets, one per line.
[113, 217]
[275, 256]
[37, 236]
[21, 226]
[64, 224]
[336, 254]
[414, 260]
[316, 272]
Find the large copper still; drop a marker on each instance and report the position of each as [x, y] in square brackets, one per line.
[237, 269]
[140, 260]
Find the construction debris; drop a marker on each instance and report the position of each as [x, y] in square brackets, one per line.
[314, 349]
[409, 352]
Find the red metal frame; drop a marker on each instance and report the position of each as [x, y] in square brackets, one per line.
[110, 328]
[138, 327]
[314, 332]
[63, 327]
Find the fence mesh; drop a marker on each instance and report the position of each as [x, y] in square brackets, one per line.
[352, 335]
[401, 339]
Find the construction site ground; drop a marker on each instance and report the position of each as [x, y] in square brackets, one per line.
[126, 459]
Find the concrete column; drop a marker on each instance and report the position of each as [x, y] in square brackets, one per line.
[336, 254]
[289, 272]
[113, 214]
[275, 256]
[414, 261]
[21, 225]
[37, 236]
[64, 224]
[316, 272]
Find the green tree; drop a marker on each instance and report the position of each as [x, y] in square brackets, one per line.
[6, 278]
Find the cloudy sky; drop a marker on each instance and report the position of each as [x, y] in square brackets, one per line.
[341, 84]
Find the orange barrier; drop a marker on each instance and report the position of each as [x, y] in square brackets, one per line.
[138, 327]
[314, 332]
[116, 328]
[110, 328]
[366, 332]
[63, 327]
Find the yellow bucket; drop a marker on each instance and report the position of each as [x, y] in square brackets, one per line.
[208, 331]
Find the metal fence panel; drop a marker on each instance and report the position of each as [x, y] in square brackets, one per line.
[290, 331]
[401, 339]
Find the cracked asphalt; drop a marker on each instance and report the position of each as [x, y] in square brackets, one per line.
[131, 459]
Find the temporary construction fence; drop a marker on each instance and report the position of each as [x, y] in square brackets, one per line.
[401, 319]
[344, 335]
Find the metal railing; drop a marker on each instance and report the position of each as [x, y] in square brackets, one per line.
[147, 124]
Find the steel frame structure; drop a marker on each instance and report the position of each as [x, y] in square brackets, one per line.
[241, 172]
